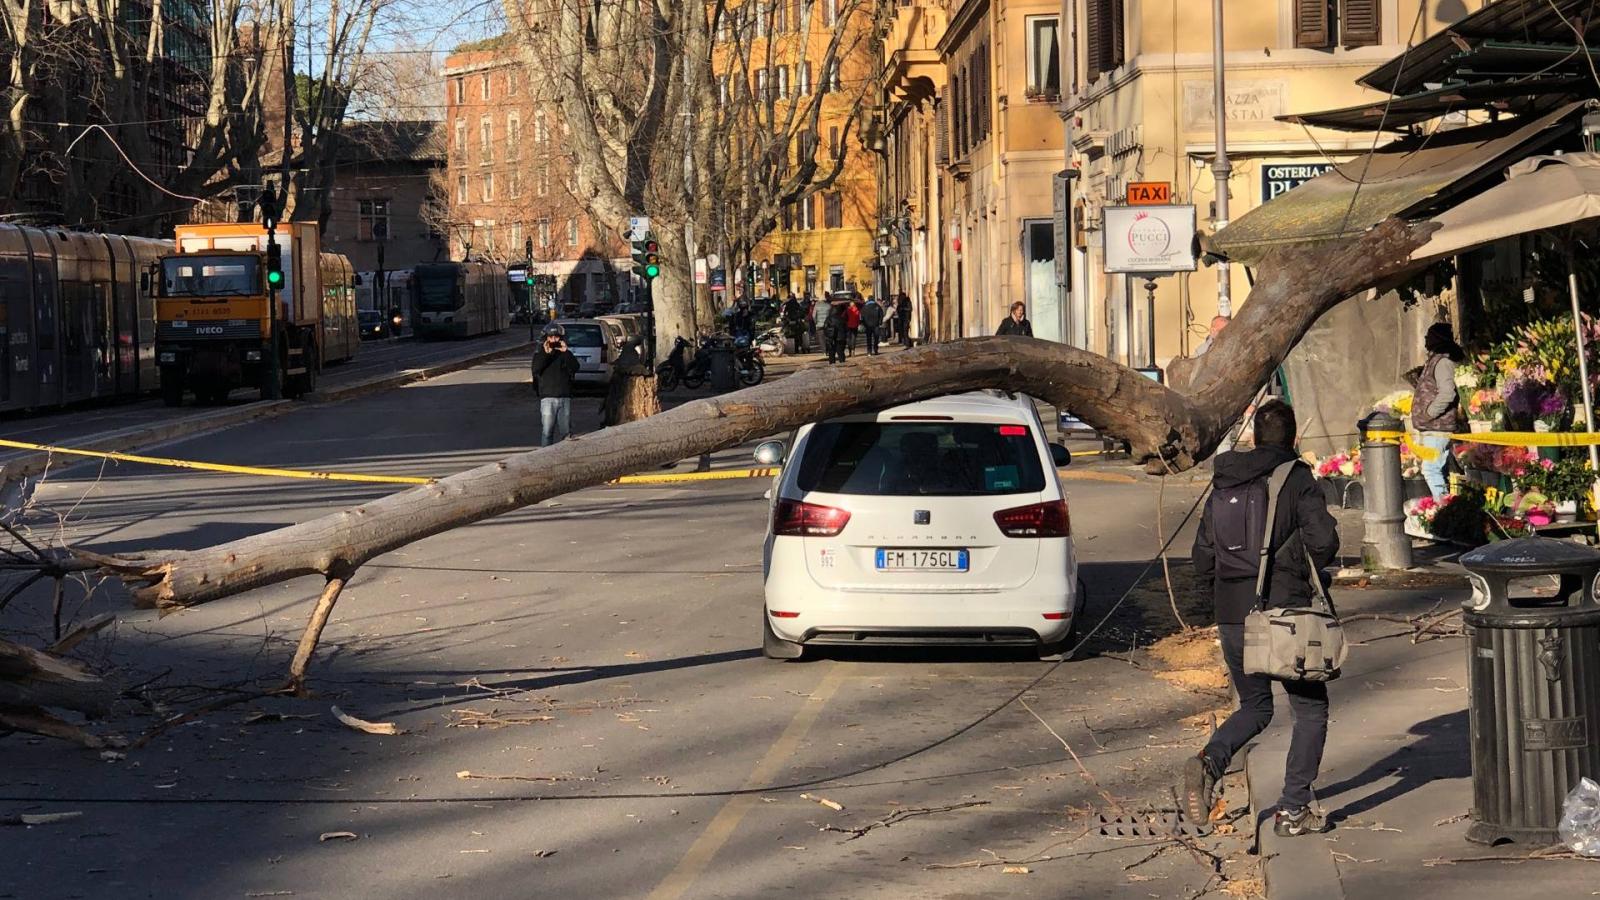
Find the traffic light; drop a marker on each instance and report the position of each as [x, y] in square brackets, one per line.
[647, 258]
[274, 266]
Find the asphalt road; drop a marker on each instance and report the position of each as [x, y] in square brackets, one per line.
[375, 358]
[594, 664]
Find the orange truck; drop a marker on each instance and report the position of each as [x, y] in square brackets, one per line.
[239, 307]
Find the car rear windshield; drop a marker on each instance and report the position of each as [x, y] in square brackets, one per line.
[921, 459]
[584, 336]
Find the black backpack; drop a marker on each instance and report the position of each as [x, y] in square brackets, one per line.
[1238, 522]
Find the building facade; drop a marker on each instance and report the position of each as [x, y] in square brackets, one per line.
[823, 241]
[1139, 107]
[380, 207]
[507, 187]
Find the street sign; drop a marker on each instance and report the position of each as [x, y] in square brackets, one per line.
[713, 260]
[1149, 193]
[1149, 239]
[517, 274]
[1061, 208]
[1277, 179]
[638, 227]
[701, 271]
[719, 279]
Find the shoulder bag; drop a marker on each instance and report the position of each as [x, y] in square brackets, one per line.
[1291, 643]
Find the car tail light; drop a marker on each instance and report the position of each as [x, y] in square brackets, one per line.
[795, 518]
[1013, 431]
[1040, 520]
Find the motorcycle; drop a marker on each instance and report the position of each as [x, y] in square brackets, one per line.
[747, 357]
[676, 369]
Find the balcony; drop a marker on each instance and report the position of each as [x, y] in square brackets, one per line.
[912, 69]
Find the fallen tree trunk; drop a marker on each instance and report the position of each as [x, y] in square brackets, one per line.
[1172, 430]
[33, 678]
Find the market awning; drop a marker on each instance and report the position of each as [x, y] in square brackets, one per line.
[1539, 192]
[1401, 114]
[1409, 178]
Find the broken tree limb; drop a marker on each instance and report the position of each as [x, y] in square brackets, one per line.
[37, 721]
[33, 678]
[1174, 430]
[313, 633]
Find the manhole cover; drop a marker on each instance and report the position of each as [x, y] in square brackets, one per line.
[1150, 825]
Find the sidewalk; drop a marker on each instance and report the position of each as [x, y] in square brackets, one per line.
[1396, 777]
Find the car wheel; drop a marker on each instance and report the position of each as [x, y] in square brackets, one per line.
[774, 647]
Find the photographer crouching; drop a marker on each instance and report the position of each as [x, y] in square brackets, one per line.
[554, 367]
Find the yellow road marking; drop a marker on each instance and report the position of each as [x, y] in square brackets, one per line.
[1091, 475]
[733, 812]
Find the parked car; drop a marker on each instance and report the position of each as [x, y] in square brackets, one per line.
[939, 522]
[589, 342]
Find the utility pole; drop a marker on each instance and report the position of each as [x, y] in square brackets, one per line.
[1221, 168]
[688, 185]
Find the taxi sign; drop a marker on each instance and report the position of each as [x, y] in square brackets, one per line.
[1149, 193]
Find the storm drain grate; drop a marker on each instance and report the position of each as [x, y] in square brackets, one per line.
[1150, 825]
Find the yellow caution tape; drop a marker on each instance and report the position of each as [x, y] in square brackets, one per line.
[722, 475]
[219, 467]
[1500, 438]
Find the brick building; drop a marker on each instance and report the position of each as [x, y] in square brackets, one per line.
[508, 184]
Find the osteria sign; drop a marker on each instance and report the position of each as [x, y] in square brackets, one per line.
[1149, 239]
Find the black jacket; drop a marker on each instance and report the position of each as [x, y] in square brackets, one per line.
[553, 372]
[1012, 326]
[1302, 521]
[872, 315]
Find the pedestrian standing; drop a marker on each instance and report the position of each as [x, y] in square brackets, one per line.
[835, 330]
[554, 367]
[1017, 322]
[1227, 557]
[872, 323]
[821, 309]
[903, 309]
[891, 315]
[1436, 406]
[852, 322]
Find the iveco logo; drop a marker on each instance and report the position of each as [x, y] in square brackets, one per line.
[208, 329]
[921, 517]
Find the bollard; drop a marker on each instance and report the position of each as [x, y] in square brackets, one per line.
[1384, 542]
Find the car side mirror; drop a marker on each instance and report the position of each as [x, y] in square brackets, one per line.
[771, 453]
[1061, 456]
[144, 282]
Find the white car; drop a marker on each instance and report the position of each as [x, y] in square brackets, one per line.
[939, 522]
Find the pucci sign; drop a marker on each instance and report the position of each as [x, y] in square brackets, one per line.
[1148, 240]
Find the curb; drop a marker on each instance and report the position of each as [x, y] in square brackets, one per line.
[127, 439]
[1291, 868]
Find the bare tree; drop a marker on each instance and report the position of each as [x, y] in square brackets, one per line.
[677, 110]
[97, 62]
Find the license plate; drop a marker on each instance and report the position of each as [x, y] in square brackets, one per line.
[890, 560]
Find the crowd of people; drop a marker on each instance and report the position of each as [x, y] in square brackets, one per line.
[845, 320]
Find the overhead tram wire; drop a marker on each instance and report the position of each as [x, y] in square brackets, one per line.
[1377, 133]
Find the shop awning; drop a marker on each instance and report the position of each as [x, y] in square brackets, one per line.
[1410, 178]
[1539, 192]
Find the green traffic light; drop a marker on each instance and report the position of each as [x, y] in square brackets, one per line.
[652, 271]
[275, 278]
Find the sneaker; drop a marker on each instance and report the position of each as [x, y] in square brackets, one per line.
[1199, 789]
[1295, 822]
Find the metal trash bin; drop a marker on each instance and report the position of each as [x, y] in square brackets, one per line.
[1533, 666]
[724, 368]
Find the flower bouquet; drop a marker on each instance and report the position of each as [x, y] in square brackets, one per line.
[1341, 465]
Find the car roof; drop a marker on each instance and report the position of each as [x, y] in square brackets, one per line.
[577, 322]
[988, 404]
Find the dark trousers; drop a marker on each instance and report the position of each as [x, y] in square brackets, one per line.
[835, 341]
[873, 336]
[1308, 703]
[905, 332]
[850, 340]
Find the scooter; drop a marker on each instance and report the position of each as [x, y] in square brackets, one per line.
[676, 369]
[752, 368]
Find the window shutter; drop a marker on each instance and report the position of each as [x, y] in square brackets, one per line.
[941, 128]
[1094, 35]
[1312, 27]
[1361, 23]
[1119, 16]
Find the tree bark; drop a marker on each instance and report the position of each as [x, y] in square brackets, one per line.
[33, 678]
[630, 397]
[1172, 431]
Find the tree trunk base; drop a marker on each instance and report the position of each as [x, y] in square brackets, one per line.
[631, 397]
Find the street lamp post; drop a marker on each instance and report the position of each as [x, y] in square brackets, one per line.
[1221, 168]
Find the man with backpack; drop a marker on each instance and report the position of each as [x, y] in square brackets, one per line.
[1228, 558]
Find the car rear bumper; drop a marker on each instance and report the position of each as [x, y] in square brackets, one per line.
[962, 637]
